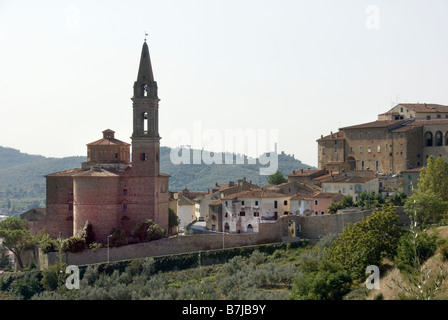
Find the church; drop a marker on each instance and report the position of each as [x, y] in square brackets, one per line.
[111, 190]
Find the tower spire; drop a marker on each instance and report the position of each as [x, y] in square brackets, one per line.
[145, 86]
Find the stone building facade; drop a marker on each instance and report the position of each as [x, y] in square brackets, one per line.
[401, 139]
[111, 190]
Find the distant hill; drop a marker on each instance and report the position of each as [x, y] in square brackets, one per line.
[22, 182]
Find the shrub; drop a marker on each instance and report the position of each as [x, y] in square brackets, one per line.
[73, 244]
[118, 237]
[26, 286]
[53, 276]
[154, 232]
[149, 231]
[95, 246]
[444, 250]
[423, 245]
[47, 244]
[87, 233]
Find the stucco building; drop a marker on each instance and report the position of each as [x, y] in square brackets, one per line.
[112, 190]
[245, 211]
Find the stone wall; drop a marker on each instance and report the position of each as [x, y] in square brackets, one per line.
[173, 245]
[311, 227]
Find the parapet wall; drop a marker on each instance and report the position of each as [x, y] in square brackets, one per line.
[173, 245]
[311, 227]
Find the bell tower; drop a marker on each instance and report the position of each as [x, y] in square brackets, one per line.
[145, 104]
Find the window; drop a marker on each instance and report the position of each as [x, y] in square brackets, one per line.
[360, 135]
[368, 135]
[145, 122]
[256, 202]
[70, 206]
[350, 136]
[343, 190]
[362, 165]
[428, 117]
[439, 139]
[242, 202]
[378, 134]
[439, 116]
[369, 149]
[285, 202]
[143, 157]
[125, 192]
[70, 192]
[323, 150]
[351, 149]
[377, 165]
[378, 149]
[116, 155]
[428, 139]
[360, 149]
[335, 148]
[256, 214]
[124, 205]
[275, 204]
[242, 213]
[316, 202]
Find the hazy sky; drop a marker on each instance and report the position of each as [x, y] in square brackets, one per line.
[303, 68]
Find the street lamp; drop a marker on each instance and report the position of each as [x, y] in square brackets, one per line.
[108, 247]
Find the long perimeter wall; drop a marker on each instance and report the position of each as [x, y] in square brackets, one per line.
[311, 227]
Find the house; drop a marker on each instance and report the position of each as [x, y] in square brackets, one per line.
[185, 211]
[292, 188]
[306, 176]
[351, 183]
[245, 211]
[321, 201]
[410, 180]
[301, 204]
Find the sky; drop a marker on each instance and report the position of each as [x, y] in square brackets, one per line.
[286, 71]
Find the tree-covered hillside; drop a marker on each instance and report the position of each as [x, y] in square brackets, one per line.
[22, 182]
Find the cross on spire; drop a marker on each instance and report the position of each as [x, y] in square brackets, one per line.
[146, 34]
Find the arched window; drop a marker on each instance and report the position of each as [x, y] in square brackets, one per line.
[145, 122]
[250, 229]
[439, 139]
[446, 138]
[428, 139]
